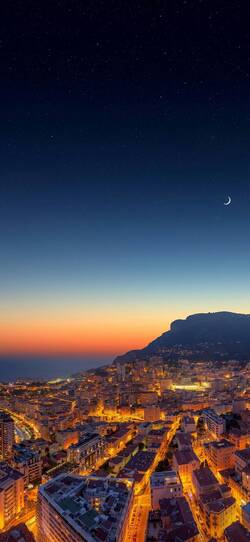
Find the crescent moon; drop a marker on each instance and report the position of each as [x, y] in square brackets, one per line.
[229, 201]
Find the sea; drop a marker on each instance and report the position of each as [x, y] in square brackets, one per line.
[13, 368]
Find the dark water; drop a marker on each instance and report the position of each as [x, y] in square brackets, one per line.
[12, 368]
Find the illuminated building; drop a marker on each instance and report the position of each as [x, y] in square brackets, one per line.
[11, 494]
[118, 440]
[185, 462]
[219, 515]
[203, 481]
[188, 424]
[157, 435]
[242, 459]
[141, 462]
[221, 454]
[164, 485]
[174, 521]
[222, 492]
[151, 413]
[239, 438]
[36, 445]
[246, 478]
[67, 437]
[117, 463]
[233, 479]
[121, 371]
[139, 469]
[7, 438]
[165, 384]
[29, 463]
[77, 509]
[87, 452]
[195, 404]
[120, 460]
[147, 398]
[183, 440]
[214, 423]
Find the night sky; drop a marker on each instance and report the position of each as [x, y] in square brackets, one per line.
[124, 127]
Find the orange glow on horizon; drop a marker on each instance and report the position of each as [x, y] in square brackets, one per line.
[49, 328]
[109, 336]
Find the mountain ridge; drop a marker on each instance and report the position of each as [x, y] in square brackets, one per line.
[226, 333]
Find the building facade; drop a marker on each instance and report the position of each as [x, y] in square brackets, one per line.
[214, 423]
[221, 454]
[7, 437]
[11, 494]
[87, 452]
[164, 485]
[83, 509]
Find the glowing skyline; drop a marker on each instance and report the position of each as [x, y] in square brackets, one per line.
[101, 331]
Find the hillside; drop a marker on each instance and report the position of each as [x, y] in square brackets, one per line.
[225, 334]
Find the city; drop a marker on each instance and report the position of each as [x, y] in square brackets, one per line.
[125, 271]
[139, 451]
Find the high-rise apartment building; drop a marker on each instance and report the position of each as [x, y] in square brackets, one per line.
[11, 493]
[7, 437]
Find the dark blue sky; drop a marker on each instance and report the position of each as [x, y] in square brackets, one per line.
[123, 130]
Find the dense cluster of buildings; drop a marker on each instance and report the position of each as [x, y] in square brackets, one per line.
[138, 450]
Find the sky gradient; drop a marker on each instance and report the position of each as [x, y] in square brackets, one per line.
[122, 135]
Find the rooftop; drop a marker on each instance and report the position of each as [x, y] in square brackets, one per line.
[8, 474]
[184, 438]
[73, 496]
[236, 533]
[181, 534]
[213, 416]
[183, 457]
[218, 506]
[23, 454]
[204, 476]
[89, 437]
[141, 461]
[221, 444]
[164, 478]
[244, 454]
[177, 510]
[188, 419]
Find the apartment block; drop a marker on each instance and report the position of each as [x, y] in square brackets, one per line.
[11, 493]
[83, 509]
[164, 485]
